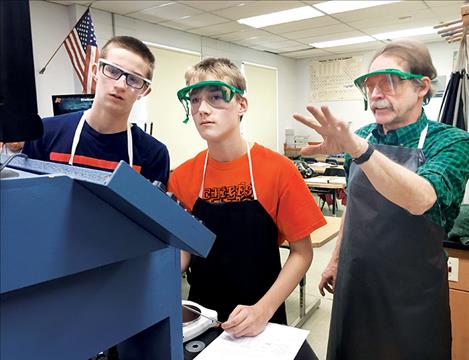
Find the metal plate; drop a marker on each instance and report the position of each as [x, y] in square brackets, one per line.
[188, 317]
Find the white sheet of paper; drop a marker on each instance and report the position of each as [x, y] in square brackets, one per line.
[276, 342]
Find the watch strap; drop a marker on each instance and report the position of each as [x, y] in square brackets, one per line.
[365, 156]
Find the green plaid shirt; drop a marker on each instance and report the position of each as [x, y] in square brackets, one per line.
[446, 166]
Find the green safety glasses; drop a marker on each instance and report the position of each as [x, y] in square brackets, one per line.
[387, 80]
[217, 94]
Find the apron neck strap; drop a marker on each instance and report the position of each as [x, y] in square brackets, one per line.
[76, 140]
[423, 135]
[250, 173]
[130, 147]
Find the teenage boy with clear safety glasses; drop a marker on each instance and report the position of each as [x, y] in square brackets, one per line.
[102, 136]
[251, 197]
[406, 180]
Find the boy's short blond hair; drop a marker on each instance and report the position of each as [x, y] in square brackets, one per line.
[221, 68]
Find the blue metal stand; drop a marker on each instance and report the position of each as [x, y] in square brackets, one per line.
[91, 260]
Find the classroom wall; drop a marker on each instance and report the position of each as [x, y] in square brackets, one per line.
[353, 110]
[51, 22]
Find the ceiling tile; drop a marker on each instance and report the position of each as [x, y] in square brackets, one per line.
[329, 37]
[164, 13]
[356, 48]
[267, 40]
[439, 4]
[125, 7]
[447, 13]
[420, 18]
[220, 29]
[194, 21]
[302, 25]
[315, 32]
[284, 44]
[395, 9]
[64, 2]
[293, 48]
[271, 44]
[254, 8]
[212, 5]
[241, 35]
[302, 54]
[313, 2]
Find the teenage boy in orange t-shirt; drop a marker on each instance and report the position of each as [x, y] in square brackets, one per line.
[251, 197]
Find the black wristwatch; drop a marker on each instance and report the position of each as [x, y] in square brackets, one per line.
[365, 156]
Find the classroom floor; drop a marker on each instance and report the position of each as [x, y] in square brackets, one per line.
[318, 323]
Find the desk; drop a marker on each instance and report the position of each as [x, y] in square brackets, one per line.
[321, 157]
[318, 238]
[331, 183]
[321, 167]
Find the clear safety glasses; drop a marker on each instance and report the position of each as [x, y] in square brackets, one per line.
[217, 94]
[114, 72]
[386, 80]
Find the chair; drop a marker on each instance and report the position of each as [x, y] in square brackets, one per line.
[333, 171]
[323, 193]
[332, 161]
[310, 160]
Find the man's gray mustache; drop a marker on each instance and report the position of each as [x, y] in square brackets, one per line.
[381, 104]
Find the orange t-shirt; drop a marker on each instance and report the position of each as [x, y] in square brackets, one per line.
[279, 186]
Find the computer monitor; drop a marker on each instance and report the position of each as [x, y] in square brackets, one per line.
[63, 104]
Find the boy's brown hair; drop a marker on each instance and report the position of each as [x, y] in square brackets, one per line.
[134, 45]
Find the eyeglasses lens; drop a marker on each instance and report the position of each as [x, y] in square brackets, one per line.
[115, 73]
[215, 96]
[386, 83]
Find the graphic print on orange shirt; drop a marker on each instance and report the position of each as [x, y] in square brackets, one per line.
[233, 193]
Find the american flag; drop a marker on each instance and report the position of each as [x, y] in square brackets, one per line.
[83, 51]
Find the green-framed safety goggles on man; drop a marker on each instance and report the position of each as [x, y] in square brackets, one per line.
[216, 93]
[387, 80]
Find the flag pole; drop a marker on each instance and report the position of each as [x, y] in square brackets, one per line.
[55, 52]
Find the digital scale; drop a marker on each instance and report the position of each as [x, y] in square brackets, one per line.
[194, 324]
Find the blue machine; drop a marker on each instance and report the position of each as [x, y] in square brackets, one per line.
[89, 260]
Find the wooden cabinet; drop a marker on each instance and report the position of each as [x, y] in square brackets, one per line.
[459, 302]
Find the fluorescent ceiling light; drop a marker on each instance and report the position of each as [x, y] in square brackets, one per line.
[281, 17]
[382, 36]
[334, 7]
[340, 42]
[406, 33]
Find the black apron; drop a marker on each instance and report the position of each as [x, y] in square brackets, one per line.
[244, 261]
[391, 291]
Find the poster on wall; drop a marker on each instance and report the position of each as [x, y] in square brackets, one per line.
[332, 79]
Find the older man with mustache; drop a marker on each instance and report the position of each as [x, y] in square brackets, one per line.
[406, 180]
